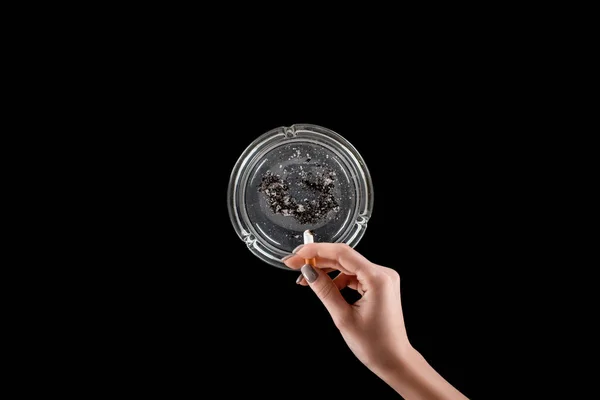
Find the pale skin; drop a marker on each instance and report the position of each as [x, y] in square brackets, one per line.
[373, 327]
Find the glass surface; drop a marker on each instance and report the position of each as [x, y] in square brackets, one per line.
[295, 178]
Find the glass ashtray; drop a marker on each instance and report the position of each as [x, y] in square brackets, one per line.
[297, 178]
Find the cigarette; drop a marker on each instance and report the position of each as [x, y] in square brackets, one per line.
[309, 238]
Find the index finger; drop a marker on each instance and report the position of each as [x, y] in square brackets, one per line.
[347, 260]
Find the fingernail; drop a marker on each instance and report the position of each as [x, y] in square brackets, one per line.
[309, 273]
[297, 249]
[284, 259]
[299, 279]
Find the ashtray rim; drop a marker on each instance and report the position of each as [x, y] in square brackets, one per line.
[258, 246]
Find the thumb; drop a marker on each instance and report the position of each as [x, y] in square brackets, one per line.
[326, 291]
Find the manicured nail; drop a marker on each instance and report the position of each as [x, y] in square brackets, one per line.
[309, 273]
[299, 279]
[284, 259]
[297, 249]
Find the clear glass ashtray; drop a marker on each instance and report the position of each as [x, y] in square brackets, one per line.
[297, 178]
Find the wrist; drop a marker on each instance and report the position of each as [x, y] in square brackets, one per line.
[401, 371]
[397, 362]
[413, 378]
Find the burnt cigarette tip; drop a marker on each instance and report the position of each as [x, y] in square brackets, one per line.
[308, 237]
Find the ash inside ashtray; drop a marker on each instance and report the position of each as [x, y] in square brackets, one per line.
[278, 194]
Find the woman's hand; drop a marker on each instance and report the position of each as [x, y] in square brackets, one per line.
[373, 327]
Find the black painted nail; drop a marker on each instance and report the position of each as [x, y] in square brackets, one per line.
[309, 273]
[299, 279]
[297, 249]
[284, 259]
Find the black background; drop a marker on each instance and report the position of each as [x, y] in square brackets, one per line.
[420, 227]
[215, 316]
[429, 223]
[182, 306]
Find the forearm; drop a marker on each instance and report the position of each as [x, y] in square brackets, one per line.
[413, 378]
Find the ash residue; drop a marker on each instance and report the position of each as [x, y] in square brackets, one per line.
[276, 191]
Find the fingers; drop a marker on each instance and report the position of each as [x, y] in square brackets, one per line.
[334, 255]
[342, 280]
[302, 282]
[327, 292]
